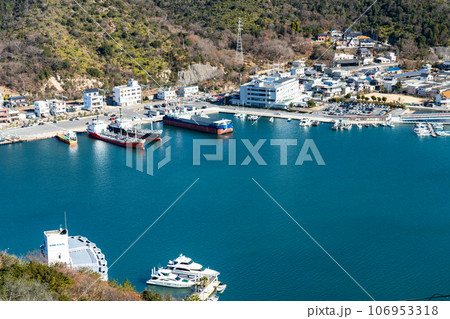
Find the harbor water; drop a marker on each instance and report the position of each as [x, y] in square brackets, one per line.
[379, 206]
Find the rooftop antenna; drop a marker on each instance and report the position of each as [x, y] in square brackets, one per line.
[239, 51]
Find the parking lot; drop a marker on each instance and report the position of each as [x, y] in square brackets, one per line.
[354, 109]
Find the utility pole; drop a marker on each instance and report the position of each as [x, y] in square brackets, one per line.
[239, 50]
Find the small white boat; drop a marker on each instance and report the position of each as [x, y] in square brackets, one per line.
[166, 278]
[305, 122]
[237, 114]
[242, 116]
[374, 124]
[271, 120]
[289, 119]
[221, 288]
[252, 117]
[383, 124]
[346, 126]
[335, 126]
[359, 125]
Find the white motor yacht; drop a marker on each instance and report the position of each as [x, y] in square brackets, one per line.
[271, 120]
[185, 267]
[166, 277]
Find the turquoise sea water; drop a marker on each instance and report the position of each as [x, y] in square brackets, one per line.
[379, 206]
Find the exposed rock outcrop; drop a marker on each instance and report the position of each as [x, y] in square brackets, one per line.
[198, 73]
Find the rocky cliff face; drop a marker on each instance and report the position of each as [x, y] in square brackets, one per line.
[198, 73]
[442, 53]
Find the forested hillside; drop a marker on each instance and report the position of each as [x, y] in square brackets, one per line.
[426, 22]
[42, 39]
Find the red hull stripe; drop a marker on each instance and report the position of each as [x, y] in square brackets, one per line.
[115, 142]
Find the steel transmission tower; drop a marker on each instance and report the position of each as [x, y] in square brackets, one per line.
[239, 51]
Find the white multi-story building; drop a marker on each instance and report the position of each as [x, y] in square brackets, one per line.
[92, 100]
[343, 56]
[298, 64]
[129, 94]
[167, 94]
[75, 251]
[42, 108]
[269, 91]
[187, 91]
[57, 107]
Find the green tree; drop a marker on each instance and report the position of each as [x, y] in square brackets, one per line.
[398, 86]
[311, 103]
[150, 295]
[193, 297]
[94, 72]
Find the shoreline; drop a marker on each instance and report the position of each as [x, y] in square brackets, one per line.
[50, 130]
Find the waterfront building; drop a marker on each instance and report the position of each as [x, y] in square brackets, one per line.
[14, 115]
[269, 91]
[188, 91]
[92, 100]
[129, 94]
[4, 115]
[57, 107]
[166, 94]
[42, 108]
[75, 251]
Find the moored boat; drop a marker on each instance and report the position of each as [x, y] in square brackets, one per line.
[305, 122]
[99, 130]
[68, 137]
[335, 126]
[200, 123]
[221, 288]
[185, 267]
[166, 278]
[125, 127]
